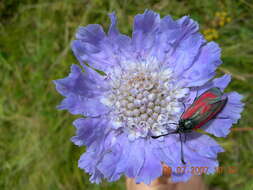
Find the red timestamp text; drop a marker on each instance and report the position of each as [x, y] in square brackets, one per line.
[194, 170]
[199, 170]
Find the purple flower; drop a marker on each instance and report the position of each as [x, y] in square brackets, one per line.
[149, 78]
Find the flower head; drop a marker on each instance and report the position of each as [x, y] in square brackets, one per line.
[149, 80]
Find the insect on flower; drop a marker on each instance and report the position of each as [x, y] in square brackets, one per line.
[205, 108]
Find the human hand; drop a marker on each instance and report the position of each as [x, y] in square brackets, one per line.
[164, 183]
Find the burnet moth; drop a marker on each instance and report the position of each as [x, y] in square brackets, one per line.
[203, 109]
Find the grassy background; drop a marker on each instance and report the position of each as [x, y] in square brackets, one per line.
[35, 150]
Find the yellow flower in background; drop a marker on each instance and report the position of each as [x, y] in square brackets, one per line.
[220, 19]
[211, 34]
[228, 19]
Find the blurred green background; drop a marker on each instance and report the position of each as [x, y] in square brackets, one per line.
[35, 36]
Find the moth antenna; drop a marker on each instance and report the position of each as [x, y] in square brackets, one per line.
[155, 137]
[173, 123]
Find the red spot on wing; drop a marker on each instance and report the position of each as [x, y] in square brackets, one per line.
[212, 115]
[201, 105]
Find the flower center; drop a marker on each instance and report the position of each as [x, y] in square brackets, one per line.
[144, 99]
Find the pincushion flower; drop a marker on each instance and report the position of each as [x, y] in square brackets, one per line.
[148, 79]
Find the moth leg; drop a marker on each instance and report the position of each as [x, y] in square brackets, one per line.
[182, 151]
[185, 138]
